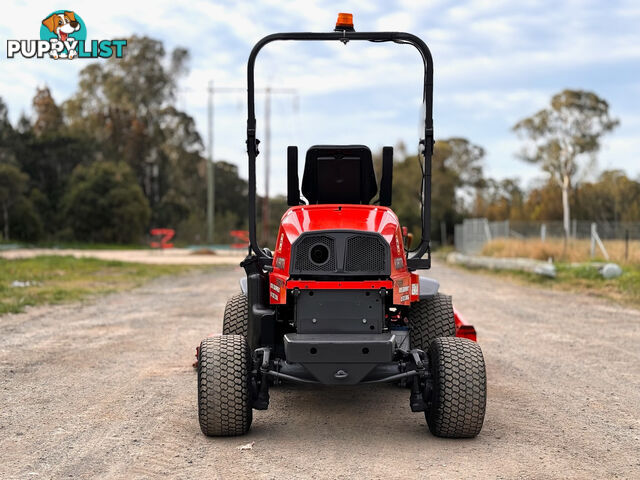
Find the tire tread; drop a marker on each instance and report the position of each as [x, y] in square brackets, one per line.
[236, 315]
[429, 319]
[224, 405]
[460, 388]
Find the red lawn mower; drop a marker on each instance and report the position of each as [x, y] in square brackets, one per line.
[338, 302]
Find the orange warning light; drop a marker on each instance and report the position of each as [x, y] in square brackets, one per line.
[345, 21]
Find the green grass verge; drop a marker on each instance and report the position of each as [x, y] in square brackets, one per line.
[59, 279]
[77, 245]
[585, 279]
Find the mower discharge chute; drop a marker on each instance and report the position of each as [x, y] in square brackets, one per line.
[338, 301]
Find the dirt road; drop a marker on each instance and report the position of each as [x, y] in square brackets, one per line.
[106, 390]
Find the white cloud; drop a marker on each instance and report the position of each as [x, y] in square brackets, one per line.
[621, 152]
[397, 21]
[510, 105]
[495, 61]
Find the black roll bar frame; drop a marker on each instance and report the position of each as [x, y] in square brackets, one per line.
[415, 260]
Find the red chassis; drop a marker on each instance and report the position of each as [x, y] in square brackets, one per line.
[307, 218]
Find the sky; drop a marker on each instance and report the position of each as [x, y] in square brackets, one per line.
[495, 63]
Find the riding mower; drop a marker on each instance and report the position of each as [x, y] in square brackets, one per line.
[338, 301]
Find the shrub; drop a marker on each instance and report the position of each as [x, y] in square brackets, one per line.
[104, 203]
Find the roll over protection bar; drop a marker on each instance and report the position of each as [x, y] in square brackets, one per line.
[415, 260]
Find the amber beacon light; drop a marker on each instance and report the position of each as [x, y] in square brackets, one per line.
[344, 22]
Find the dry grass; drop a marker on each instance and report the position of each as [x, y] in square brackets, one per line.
[58, 279]
[578, 250]
[582, 278]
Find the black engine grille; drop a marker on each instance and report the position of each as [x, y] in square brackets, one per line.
[351, 253]
[365, 254]
[303, 261]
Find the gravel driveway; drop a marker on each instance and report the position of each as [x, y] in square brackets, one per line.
[105, 389]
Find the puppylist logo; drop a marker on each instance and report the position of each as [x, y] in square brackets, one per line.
[63, 35]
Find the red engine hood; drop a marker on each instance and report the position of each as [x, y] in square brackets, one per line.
[298, 220]
[369, 218]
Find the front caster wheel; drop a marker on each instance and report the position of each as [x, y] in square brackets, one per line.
[459, 394]
[224, 400]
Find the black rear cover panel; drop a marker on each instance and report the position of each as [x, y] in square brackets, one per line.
[339, 311]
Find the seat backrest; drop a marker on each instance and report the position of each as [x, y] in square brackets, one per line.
[339, 174]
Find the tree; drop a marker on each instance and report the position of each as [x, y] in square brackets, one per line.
[104, 203]
[463, 158]
[612, 198]
[7, 136]
[48, 114]
[499, 200]
[26, 224]
[231, 205]
[13, 184]
[232, 192]
[542, 203]
[47, 152]
[560, 135]
[19, 217]
[456, 165]
[181, 187]
[127, 106]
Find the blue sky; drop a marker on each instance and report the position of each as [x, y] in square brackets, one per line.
[495, 62]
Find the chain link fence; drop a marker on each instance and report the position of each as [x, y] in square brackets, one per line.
[471, 235]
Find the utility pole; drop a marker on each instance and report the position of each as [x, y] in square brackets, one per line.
[267, 150]
[211, 188]
[266, 147]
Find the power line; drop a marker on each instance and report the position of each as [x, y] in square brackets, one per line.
[267, 151]
[268, 91]
[211, 187]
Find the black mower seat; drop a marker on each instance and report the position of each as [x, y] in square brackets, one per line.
[339, 174]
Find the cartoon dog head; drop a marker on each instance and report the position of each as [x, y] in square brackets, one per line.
[62, 24]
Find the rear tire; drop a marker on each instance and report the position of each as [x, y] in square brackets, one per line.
[236, 316]
[224, 404]
[429, 319]
[459, 395]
